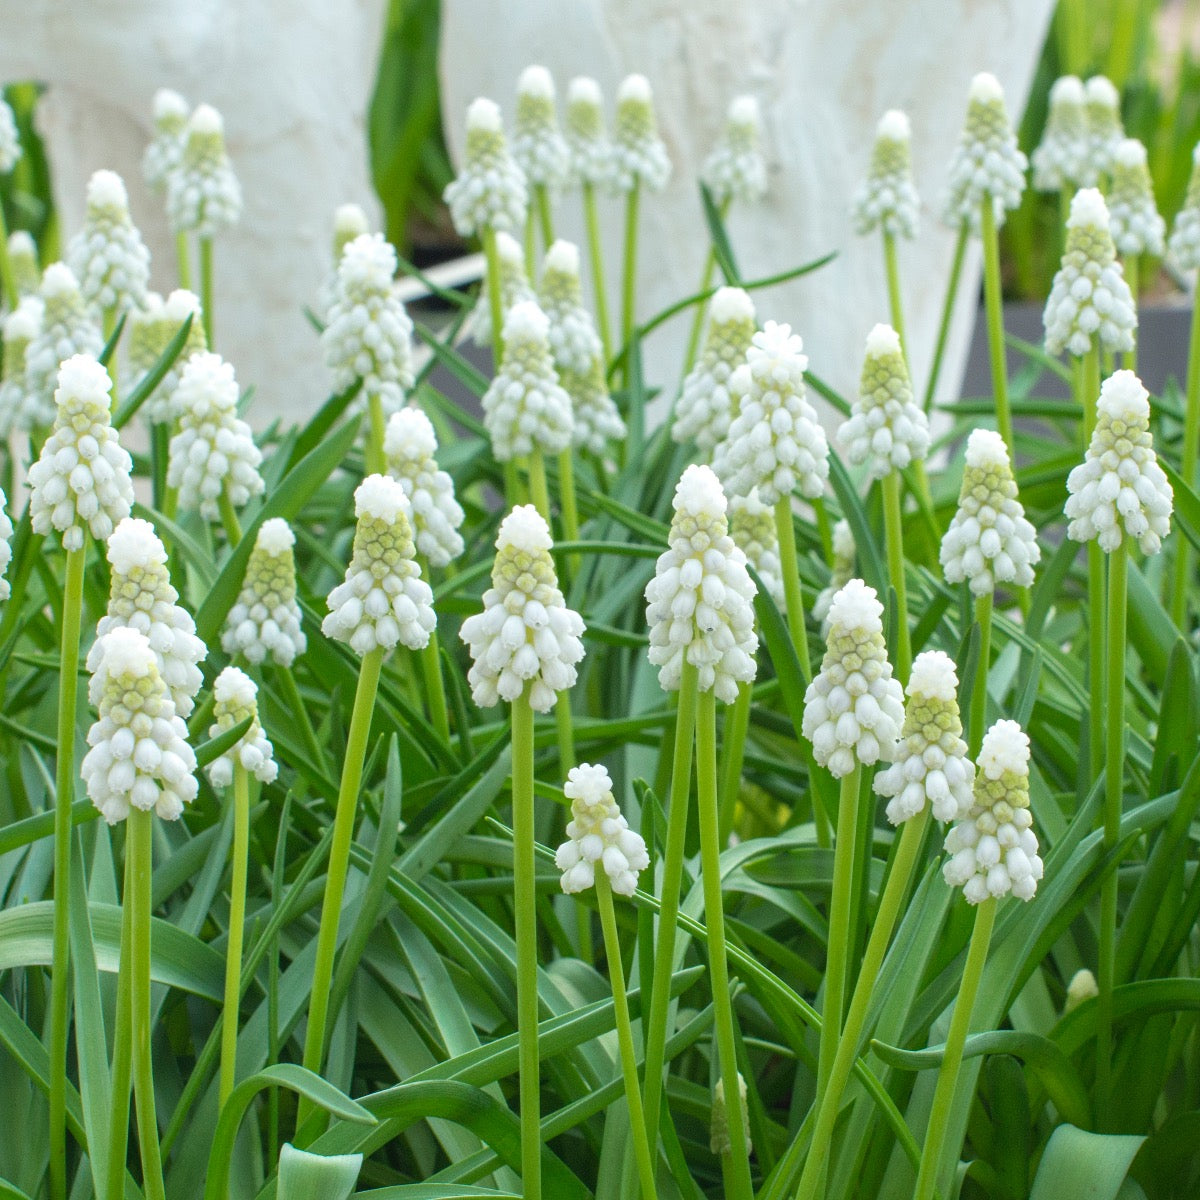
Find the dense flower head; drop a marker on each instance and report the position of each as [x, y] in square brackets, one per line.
[203, 194]
[151, 327]
[139, 756]
[931, 764]
[888, 199]
[775, 442]
[1184, 242]
[265, 619]
[410, 447]
[163, 154]
[1119, 489]
[526, 637]
[595, 418]
[10, 139]
[993, 849]
[538, 145]
[490, 191]
[349, 222]
[752, 527]
[598, 833]
[574, 341]
[82, 476]
[23, 259]
[987, 163]
[18, 409]
[639, 156]
[1136, 224]
[586, 134]
[6, 532]
[990, 540]
[736, 168]
[854, 709]
[887, 429]
[700, 603]
[108, 256]
[1090, 298]
[525, 407]
[1061, 158]
[705, 407]
[235, 697]
[142, 597]
[383, 599]
[514, 287]
[842, 570]
[1105, 131]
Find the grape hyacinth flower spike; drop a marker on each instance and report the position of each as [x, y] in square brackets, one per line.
[21, 327]
[349, 222]
[1060, 161]
[23, 259]
[513, 286]
[1105, 132]
[236, 698]
[752, 527]
[203, 193]
[151, 328]
[265, 620]
[888, 199]
[1136, 224]
[490, 191]
[540, 150]
[107, 255]
[165, 151]
[736, 168]
[67, 328]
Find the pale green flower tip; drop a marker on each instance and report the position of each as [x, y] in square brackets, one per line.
[1105, 131]
[1082, 987]
[639, 155]
[205, 132]
[490, 191]
[349, 222]
[266, 620]
[598, 834]
[170, 111]
[203, 193]
[719, 1141]
[736, 168]
[888, 199]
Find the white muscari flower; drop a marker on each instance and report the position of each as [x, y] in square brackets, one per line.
[888, 199]
[265, 619]
[887, 429]
[639, 156]
[410, 448]
[526, 637]
[736, 168]
[163, 154]
[719, 1141]
[235, 697]
[490, 191]
[139, 756]
[1184, 242]
[1119, 489]
[525, 407]
[383, 599]
[538, 145]
[931, 765]
[700, 603]
[349, 222]
[1105, 131]
[6, 532]
[987, 163]
[514, 287]
[203, 194]
[1082, 987]
[845, 555]
[82, 476]
[854, 709]
[990, 540]
[108, 256]
[21, 326]
[10, 139]
[587, 137]
[574, 341]
[752, 527]
[151, 328]
[993, 849]
[775, 442]
[213, 448]
[23, 258]
[705, 406]
[142, 597]
[67, 328]
[598, 833]
[595, 418]
[1061, 158]
[1136, 224]
[1089, 298]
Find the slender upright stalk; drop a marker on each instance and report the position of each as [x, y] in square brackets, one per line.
[569, 505]
[122, 1052]
[237, 923]
[206, 288]
[7, 279]
[960, 1024]
[431, 668]
[893, 521]
[182, 258]
[733, 748]
[786, 533]
[530, 242]
[291, 691]
[824, 527]
[1187, 466]
[596, 257]
[538, 487]
[895, 303]
[375, 460]
[706, 278]
[1132, 264]
[939, 349]
[229, 517]
[978, 715]
[993, 301]
[629, 277]
[542, 198]
[1090, 382]
[495, 302]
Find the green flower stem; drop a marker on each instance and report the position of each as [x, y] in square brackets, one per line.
[122, 1052]
[64, 786]
[978, 715]
[629, 276]
[1132, 265]
[530, 242]
[706, 279]
[339, 858]
[542, 198]
[495, 303]
[1187, 467]
[893, 520]
[108, 324]
[785, 530]
[654, 1031]
[183, 259]
[140, 845]
[939, 349]
[564, 732]
[237, 924]
[229, 517]
[596, 256]
[7, 279]
[375, 460]
[291, 691]
[828, 1102]
[733, 749]
[1090, 382]
[514, 493]
[525, 913]
[206, 288]
[431, 667]
[538, 487]
[633, 1092]
[569, 505]
[960, 1024]
[895, 304]
[824, 527]
[993, 301]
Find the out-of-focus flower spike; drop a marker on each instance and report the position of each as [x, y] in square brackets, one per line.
[163, 154]
[203, 193]
[888, 199]
[490, 191]
[108, 256]
[1061, 158]
[639, 156]
[736, 169]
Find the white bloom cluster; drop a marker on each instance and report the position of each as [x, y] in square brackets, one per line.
[235, 697]
[108, 256]
[410, 447]
[1105, 131]
[139, 755]
[931, 764]
[736, 168]
[538, 146]
[993, 848]
[842, 570]
[6, 532]
[700, 603]
[1089, 297]
[1184, 242]
[369, 335]
[1119, 489]
[142, 597]
[719, 1141]
[1137, 225]
[214, 448]
[598, 833]
[1061, 158]
[266, 618]
[596, 420]
[67, 328]
[587, 137]
[23, 258]
[151, 328]
[990, 540]
[775, 442]
[17, 407]
[514, 287]
[490, 191]
[203, 194]
[163, 154]
[887, 429]
[383, 599]
[705, 406]
[10, 139]
[525, 407]
[574, 341]
[349, 222]
[82, 476]
[752, 527]
[854, 709]
[987, 163]
[526, 636]
[639, 156]
[888, 199]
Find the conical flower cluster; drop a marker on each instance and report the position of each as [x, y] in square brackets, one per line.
[538, 145]
[1119, 489]
[490, 191]
[595, 419]
[410, 446]
[265, 620]
[736, 168]
[17, 407]
[700, 603]
[235, 697]
[1061, 158]
[639, 157]
[843, 569]
[165, 151]
[752, 527]
[574, 341]
[10, 139]
[598, 834]
[1184, 242]
[587, 137]
[1136, 224]
[349, 222]
[514, 287]
[1105, 131]
[526, 637]
[993, 848]
[1089, 298]
[6, 532]
[203, 194]
[67, 328]
[151, 328]
[854, 709]
[888, 199]
[23, 259]
[108, 256]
